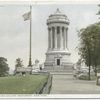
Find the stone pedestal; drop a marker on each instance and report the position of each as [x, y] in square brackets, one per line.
[58, 61]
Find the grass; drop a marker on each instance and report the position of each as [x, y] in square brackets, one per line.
[21, 84]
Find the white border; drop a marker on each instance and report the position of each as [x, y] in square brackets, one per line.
[26, 2]
[50, 96]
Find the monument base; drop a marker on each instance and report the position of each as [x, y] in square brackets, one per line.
[58, 61]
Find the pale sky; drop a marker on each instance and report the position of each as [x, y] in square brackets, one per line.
[14, 31]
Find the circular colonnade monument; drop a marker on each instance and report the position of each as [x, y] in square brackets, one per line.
[58, 55]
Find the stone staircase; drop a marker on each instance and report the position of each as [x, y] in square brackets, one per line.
[60, 70]
[61, 73]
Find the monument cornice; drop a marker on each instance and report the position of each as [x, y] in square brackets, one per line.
[63, 53]
[51, 22]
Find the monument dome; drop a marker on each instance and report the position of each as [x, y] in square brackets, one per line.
[57, 17]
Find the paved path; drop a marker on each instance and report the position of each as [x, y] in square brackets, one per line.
[66, 84]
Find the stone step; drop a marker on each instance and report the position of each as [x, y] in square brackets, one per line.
[61, 73]
[63, 69]
[58, 70]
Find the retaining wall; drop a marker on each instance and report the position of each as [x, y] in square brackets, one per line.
[46, 87]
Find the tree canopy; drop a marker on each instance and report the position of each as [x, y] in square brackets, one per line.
[3, 66]
[89, 47]
[19, 62]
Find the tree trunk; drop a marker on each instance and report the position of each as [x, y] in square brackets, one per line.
[89, 62]
[95, 70]
[89, 73]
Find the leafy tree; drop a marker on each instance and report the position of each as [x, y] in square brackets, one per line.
[3, 66]
[19, 62]
[98, 13]
[36, 61]
[79, 62]
[89, 47]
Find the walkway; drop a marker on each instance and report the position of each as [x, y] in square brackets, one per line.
[66, 84]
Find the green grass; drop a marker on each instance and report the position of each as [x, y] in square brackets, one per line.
[22, 84]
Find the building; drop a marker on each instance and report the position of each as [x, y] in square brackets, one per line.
[23, 70]
[58, 55]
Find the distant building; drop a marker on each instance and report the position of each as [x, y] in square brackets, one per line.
[28, 70]
[23, 70]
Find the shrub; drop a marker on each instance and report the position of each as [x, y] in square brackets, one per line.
[86, 77]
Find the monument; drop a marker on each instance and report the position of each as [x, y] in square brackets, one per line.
[58, 55]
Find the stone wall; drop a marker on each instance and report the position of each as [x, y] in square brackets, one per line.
[46, 87]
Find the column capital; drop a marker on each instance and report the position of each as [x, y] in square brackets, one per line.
[49, 28]
[66, 27]
[55, 27]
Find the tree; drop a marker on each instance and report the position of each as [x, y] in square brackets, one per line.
[89, 47]
[36, 61]
[3, 66]
[98, 13]
[19, 62]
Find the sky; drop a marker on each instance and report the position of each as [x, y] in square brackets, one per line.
[14, 31]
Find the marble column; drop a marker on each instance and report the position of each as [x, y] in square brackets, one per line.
[55, 37]
[60, 37]
[64, 38]
[49, 39]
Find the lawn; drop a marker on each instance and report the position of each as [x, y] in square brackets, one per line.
[28, 84]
